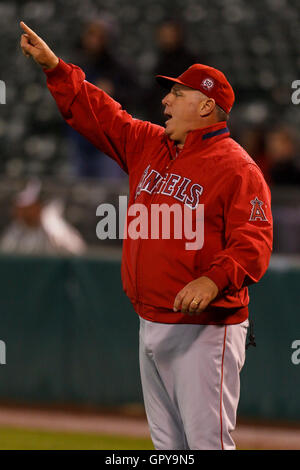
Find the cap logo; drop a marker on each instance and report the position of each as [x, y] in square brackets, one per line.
[207, 83]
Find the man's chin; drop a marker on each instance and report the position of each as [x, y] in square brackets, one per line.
[171, 137]
[169, 133]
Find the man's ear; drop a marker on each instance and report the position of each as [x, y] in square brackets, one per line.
[206, 107]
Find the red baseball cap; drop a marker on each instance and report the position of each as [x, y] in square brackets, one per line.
[211, 82]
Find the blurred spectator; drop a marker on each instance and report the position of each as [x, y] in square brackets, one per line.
[275, 151]
[253, 141]
[39, 228]
[282, 157]
[173, 59]
[101, 68]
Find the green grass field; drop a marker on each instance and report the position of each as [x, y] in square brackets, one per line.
[25, 439]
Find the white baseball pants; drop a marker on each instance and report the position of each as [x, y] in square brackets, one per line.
[191, 383]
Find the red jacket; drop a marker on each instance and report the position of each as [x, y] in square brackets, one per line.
[212, 169]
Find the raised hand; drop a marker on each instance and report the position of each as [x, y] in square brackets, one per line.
[33, 46]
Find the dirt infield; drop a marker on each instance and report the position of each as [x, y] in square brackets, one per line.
[246, 436]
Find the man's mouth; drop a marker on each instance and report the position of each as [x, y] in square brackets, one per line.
[168, 117]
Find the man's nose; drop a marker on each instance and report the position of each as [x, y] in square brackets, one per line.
[166, 100]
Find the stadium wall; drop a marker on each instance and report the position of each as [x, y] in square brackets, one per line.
[71, 337]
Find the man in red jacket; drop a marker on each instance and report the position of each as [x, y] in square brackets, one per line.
[192, 300]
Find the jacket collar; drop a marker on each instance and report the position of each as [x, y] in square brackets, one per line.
[202, 137]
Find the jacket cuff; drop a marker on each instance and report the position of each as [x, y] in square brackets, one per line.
[218, 276]
[60, 71]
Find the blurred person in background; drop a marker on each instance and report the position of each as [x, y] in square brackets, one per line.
[275, 152]
[282, 160]
[173, 56]
[39, 228]
[275, 149]
[105, 71]
[252, 139]
[282, 157]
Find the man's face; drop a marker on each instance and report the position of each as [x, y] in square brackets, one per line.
[182, 111]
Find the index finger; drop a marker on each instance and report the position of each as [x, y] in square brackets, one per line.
[28, 30]
[177, 301]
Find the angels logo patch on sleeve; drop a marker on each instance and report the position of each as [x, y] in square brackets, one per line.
[257, 212]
